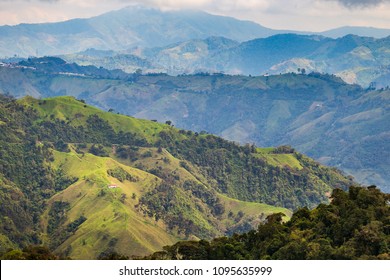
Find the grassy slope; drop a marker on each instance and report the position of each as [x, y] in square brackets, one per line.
[252, 209]
[281, 160]
[107, 217]
[75, 111]
[110, 219]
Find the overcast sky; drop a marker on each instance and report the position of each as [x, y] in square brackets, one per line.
[309, 15]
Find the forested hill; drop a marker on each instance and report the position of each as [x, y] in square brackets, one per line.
[88, 183]
[291, 109]
[355, 225]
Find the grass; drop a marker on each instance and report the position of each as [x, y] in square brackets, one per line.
[252, 208]
[167, 162]
[109, 217]
[69, 109]
[281, 160]
[257, 211]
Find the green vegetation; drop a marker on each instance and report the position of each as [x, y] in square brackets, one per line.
[273, 110]
[355, 225]
[121, 174]
[89, 184]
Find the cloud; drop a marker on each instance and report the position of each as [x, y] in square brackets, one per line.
[360, 3]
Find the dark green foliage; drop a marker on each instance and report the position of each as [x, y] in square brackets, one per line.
[72, 227]
[100, 129]
[61, 146]
[209, 197]
[355, 225]
[61, 232]
[283, 150]
[147, 154]
[16, 220]
[30, 253]
[98, 150]
[121, 174]
[96, 131]
[26, 180]
[62, 181]
[169, 202]
[111, 255]
[57, 215]
[240, 173]
[127, 152]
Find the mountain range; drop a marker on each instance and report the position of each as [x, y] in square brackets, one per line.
[338, 124]
[360, 60]
[142, 27]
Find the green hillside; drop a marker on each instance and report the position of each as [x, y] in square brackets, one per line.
[338, 124]
[355, 225]
[60, 157]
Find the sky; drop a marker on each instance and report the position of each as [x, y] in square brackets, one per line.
[304, 15]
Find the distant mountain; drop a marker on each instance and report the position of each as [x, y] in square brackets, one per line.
[360, 60]
[357, 30]
[123, 29]
[142, 27]
[184, 57]
[291, 109]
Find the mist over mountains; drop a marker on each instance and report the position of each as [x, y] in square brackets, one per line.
[123, 29]
[139, 26]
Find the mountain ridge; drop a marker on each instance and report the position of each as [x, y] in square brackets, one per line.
[361, 60]
[138, 26]
[122, 29]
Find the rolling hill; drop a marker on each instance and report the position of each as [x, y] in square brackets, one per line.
[89, 184]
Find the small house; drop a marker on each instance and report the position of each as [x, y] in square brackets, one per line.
[112, 186]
